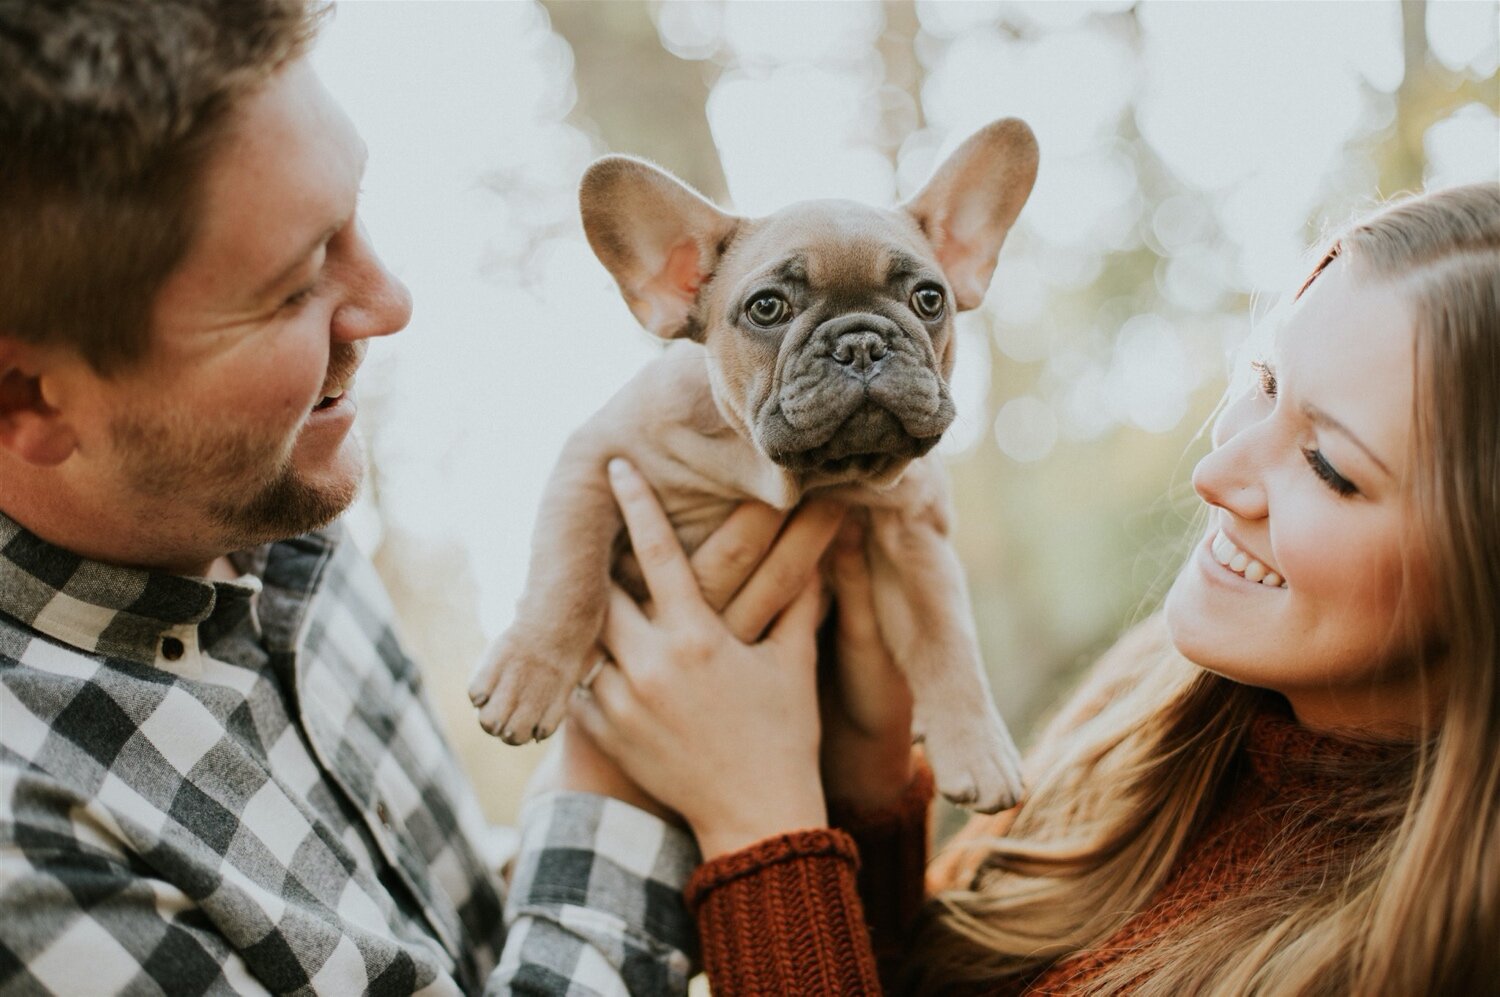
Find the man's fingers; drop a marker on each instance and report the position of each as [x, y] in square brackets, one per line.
[793, 558]
[668, 575]
[730, 554]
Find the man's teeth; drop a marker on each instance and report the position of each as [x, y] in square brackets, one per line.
[1236, 560]
[328, 399]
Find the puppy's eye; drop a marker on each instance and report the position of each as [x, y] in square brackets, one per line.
[927, 301]
[768, 309]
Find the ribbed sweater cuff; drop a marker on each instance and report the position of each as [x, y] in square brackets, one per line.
[783, 916]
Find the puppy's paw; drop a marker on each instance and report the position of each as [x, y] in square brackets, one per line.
[976, 765]
[521, 693]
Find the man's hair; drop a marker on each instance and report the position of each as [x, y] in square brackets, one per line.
[109, 110]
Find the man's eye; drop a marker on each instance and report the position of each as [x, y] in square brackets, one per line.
[927, 301]
[768, 309]
[1267, 375]
[299, 298]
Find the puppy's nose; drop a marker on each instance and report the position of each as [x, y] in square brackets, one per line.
[858, 350]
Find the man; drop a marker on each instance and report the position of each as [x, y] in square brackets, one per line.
[218, 770]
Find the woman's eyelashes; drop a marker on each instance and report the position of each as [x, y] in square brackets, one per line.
[1324, 470]
[1266, 374]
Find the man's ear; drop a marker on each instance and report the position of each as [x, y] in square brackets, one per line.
[31, 429]
[971, 202]
[658, 237]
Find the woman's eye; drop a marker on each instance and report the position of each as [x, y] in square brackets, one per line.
[1267, 376]
[927, 301]
[1324, 470]
[767, 310]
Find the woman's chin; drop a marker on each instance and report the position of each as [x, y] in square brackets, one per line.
[1194, 634]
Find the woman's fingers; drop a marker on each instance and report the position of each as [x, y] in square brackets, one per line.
[666, 570]
[872, 691]
[730, 554]
[584, 710]
[856, 595]
[625, 625]
[800, 620]
[793, 558]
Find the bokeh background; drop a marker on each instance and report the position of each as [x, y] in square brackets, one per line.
[1191, 153]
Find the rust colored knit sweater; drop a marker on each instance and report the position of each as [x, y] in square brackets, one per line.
[820, 911]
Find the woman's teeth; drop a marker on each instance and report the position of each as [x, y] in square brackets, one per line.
[1242, 564]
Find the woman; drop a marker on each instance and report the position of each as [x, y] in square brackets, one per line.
[1288, 782]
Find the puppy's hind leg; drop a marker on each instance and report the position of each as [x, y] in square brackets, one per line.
[923, 606]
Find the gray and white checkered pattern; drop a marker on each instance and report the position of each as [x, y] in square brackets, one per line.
[209, 786]
[596, 905]
[239, 787]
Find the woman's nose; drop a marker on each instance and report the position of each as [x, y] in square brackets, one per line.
[1231, 476]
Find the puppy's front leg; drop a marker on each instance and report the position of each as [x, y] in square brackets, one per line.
[521, 687]
[923, 604]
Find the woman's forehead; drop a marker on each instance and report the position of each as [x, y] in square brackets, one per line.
[1347, 348]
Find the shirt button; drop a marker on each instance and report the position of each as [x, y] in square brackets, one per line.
[384, 815]
[171, 648]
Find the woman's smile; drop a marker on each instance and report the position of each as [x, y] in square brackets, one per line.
[1237, 561]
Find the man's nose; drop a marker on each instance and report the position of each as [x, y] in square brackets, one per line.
[377, 303]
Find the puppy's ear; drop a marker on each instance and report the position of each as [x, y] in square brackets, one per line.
[658, 237]
[970, 203]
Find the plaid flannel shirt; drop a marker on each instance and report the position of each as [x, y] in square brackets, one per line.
[239, 787]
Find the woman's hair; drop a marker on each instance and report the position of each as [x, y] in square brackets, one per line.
[1409, 903]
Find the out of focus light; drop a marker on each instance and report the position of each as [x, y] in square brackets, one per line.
[795, 134]
[1457, 147]
[1026, 429]
[1465, 36]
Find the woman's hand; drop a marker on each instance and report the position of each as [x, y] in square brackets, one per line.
[866, 704]
[713, 723]
[750, 540]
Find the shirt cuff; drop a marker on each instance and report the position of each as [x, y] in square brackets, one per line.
[596, 897]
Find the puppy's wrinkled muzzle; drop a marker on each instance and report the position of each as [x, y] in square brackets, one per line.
[860, 395]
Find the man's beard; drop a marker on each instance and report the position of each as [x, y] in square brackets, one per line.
[285, 506]
[169, 458]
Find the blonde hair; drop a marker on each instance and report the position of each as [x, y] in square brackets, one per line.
[1409, 902]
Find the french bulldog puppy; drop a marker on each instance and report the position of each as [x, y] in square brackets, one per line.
[813, 350]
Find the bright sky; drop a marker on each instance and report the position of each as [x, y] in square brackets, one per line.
[518, 334]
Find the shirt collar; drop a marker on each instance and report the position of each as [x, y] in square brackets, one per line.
[128, 613]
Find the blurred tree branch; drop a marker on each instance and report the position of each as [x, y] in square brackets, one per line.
[1428, 93]
[635, 95]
